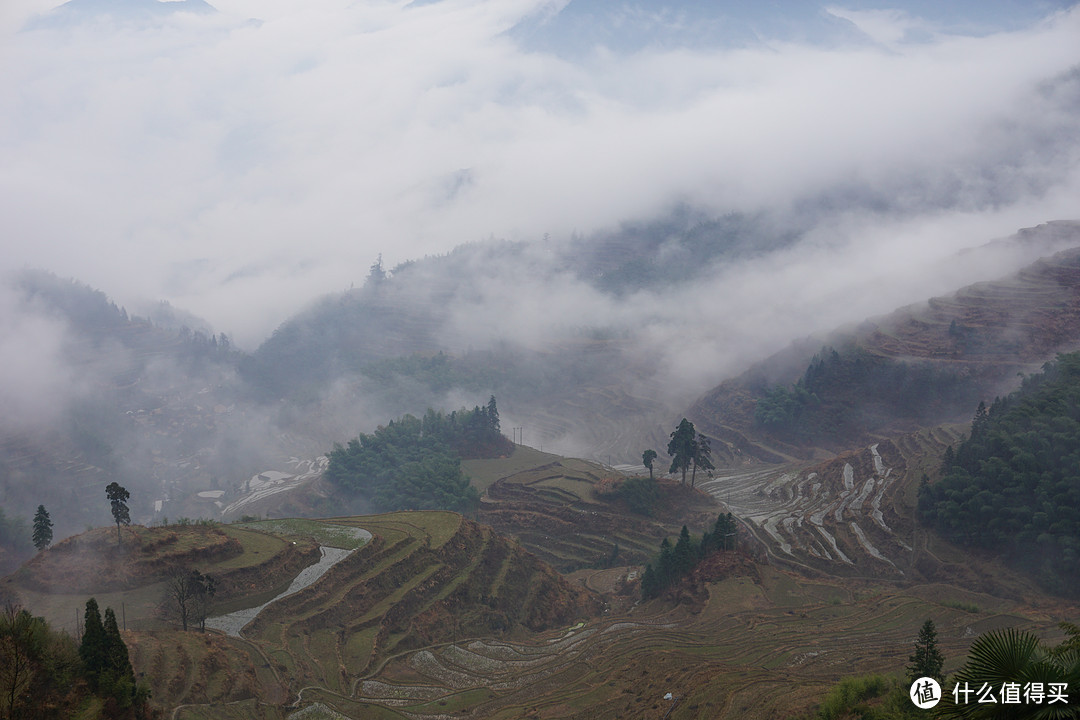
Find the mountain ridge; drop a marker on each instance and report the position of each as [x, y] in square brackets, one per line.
[978, 338]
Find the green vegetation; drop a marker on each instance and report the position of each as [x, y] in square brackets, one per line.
[1014, 485]
[681, 448]
[883, 697]
[43, 533]
[190, 592]
[1019, 659]
[647, 458]
[118, 496]
[38, 667]
[414, 464]
[676, 562]
[105, 663]
[845, 394]
[927, 660]
[868, 697]
[688, 448]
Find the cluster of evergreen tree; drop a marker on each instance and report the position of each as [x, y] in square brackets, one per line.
[675, 562]
[688, 449]
[47, 674]
[1013, 486]
[106, 665]
[845, 393]
[414, 463]
[87, 309]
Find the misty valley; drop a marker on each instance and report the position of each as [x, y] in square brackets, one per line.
[539, 360]
[916, 466]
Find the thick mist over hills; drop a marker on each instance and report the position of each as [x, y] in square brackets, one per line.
[242, 163]
[588, 356]
[596, 213]
[244, 240]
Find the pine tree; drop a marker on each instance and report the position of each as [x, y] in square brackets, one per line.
[493, 416]
[118, 495]
[927, 660]
[117, 677]
[702, 457]
[116, 652]
[650, 584]
[376, 274]
[647, 458]
[94, 644]
[948, 460]
[683, 555]
[683, 448]
[725, 531]
[43, 533]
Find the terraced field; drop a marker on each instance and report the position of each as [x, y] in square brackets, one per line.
[439, 617]
[421, 623]
[423, 579]
[766, 644]
[131, 578]
[550, 505]
[836, 516]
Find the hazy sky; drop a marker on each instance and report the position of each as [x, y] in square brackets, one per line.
[242, 162]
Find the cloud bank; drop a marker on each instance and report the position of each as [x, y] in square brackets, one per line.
[241, 163]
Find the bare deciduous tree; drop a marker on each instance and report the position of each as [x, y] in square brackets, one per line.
[189, 594]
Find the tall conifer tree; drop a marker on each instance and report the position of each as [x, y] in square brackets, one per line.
[93, 647]
[927, 660]
[43, 533]
[117, 676]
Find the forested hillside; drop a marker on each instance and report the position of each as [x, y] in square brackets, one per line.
[920, 365]
[1013, 486]
[114, 397]
[45, 673]
[819, 407]
[415, 464]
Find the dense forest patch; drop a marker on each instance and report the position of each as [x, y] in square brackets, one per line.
[845, 392]
[415, 464]
[1013, 486]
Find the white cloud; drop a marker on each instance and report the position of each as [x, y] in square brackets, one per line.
[239, 169]
[36, 383]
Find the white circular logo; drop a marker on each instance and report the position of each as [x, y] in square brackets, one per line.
[925, 693]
